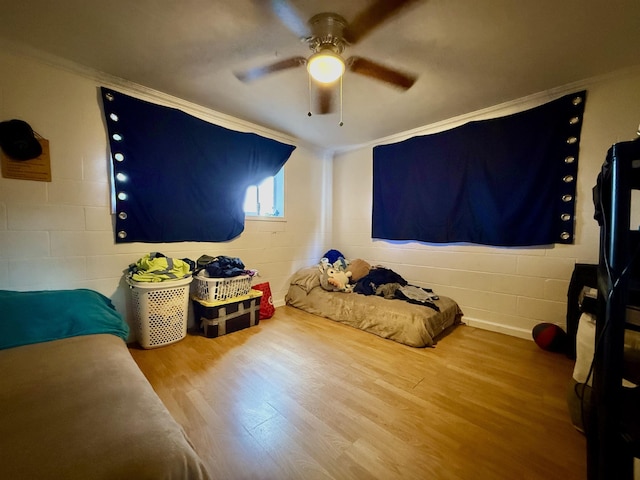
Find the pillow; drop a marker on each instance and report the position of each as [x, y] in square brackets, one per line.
[307, 278]
[358, 268]
[33, 317]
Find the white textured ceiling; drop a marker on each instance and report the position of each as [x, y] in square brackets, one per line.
[467, 54]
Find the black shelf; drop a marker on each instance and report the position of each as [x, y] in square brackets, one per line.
[613, 432]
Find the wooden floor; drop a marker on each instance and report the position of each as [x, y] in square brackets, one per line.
[302, 397]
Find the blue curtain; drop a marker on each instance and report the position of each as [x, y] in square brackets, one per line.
[179, 178]
[509, 181]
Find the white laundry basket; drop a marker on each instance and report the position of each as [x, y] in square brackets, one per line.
[218, 289]
[161, 311]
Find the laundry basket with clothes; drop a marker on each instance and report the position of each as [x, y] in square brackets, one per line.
[159, 287]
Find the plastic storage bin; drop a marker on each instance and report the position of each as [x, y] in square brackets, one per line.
[219, 318]
[161, 311]
[218, 289]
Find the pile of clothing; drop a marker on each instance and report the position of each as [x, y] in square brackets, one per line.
[389, 284]
[221, 267]
[156, 267]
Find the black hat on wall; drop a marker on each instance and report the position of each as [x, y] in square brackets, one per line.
[18, 140]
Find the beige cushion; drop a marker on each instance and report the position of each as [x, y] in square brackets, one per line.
[358, 268]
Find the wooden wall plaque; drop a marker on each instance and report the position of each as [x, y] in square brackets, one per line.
[38, 169]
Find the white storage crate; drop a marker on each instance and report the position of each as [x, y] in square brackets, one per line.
[216, 289]
[161, 311]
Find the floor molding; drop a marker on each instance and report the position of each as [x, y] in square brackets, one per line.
[498, 327]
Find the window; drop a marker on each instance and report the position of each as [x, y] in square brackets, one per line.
[507, 181]
[158, 200]
[267, 198]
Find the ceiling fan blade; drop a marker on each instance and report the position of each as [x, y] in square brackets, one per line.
[324, 99]
[373, 16]
[362, 66]
[290, 17]
[259, 72]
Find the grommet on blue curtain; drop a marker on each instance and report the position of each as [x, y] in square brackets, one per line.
[567, 198]
[152, 136]
[574, 120]
[577, 101]
[565, 217]
[569, 159]
[571, 140]
[565, 236]
[567, 178]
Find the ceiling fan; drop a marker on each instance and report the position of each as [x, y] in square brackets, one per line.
[328, 34]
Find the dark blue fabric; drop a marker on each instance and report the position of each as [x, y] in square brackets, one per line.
[184, 179]
[499, 182]
[368, 284]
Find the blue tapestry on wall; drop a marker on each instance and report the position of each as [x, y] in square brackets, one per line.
[179, 178]
[508, 181]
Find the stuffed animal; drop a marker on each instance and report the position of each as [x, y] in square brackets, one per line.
[334, 278]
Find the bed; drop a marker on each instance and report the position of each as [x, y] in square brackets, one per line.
[394, 319]
[73, 403]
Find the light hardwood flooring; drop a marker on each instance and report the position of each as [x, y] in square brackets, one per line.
[303, 397]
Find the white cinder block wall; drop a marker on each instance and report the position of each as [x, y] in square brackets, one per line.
[503, 289]
[59, 234]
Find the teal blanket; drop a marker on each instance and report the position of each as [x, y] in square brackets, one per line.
[33, 317]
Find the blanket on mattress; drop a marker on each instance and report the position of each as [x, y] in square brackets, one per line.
[79, 408]
[413, 325]
[33, 317]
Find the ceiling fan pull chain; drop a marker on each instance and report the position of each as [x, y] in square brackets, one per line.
[341, 122]
[309, 77]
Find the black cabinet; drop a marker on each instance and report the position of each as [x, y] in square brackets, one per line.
[613, 431]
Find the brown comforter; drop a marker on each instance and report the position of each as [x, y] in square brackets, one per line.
[80, 408]
[398, 320]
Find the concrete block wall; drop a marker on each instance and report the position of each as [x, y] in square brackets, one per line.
[59, 234]
[509, 290]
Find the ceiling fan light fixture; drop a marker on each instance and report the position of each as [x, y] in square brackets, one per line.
[325, 66]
